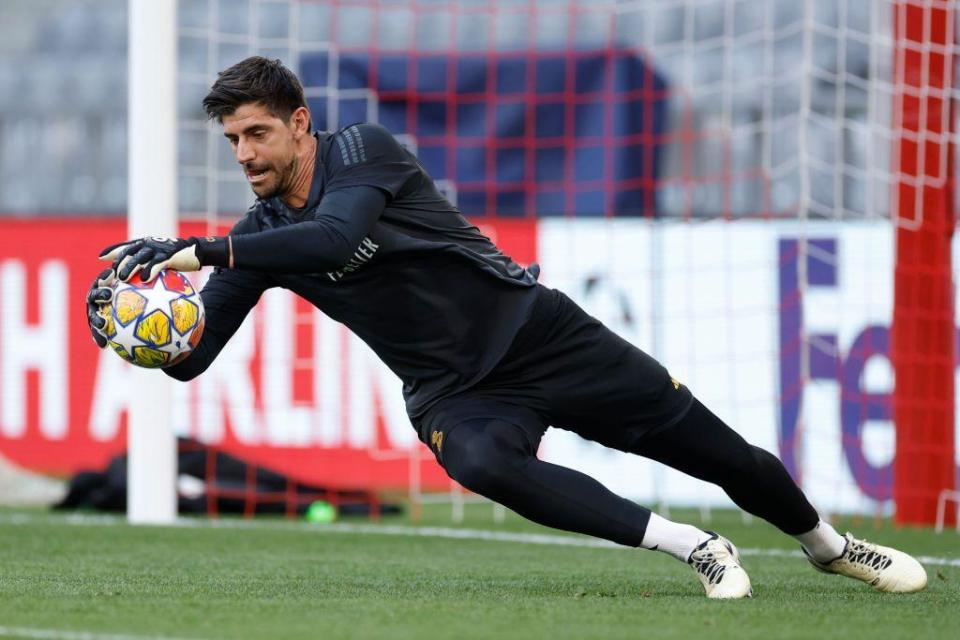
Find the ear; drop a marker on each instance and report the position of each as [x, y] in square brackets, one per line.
[300, 121]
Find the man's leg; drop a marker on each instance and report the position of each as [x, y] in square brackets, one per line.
[703, 446]
[496, 459]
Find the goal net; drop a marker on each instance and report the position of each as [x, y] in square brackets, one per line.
[758, 193]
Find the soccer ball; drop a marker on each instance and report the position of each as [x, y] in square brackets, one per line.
[154, 324]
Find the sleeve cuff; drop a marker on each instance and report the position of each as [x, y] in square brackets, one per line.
[213, 251]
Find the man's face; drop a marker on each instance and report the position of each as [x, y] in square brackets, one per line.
[265, 146]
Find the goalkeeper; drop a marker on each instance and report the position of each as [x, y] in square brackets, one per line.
[489, 358]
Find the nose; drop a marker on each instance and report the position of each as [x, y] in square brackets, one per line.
[244, 152]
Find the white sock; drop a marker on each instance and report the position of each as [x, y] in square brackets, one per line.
[679, 540]
[822, 542]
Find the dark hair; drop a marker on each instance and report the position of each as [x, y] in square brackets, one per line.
[257, 80]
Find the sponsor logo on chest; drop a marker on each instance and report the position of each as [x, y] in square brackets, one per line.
[363, 255]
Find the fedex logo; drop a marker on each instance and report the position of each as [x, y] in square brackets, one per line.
[808, 355]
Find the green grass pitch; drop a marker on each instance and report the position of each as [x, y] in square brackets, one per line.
[282, 579]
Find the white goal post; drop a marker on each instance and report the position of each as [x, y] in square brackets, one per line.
[152, 171]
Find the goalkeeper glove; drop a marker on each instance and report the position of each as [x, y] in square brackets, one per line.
[100, 294]
[152, 255]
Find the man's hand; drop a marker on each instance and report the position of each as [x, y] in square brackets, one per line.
[152, 255]
[100, 294]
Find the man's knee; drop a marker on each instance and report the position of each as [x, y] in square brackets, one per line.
[485, 456]
[750, 469]
[766, 463]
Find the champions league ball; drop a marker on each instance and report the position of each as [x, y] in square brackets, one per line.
[154, 324]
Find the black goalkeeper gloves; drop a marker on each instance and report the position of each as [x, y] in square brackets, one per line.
[152, 255]
[100, 294]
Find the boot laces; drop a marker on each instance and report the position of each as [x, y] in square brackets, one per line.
[706, 563]
[864, 553]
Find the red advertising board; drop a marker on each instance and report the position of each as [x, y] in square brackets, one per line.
[321, 410]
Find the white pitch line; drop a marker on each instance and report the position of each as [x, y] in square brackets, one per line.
[399, 530]
[62, 634]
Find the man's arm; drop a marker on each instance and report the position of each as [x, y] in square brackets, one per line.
[365, 169]
[228, 296]
[328, 241]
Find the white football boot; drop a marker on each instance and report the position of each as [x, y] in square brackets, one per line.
[717, 563]
[883, 568]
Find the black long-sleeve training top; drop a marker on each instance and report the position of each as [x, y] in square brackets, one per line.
[380, 249]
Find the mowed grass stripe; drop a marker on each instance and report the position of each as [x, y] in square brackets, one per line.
[63, 634]
[402, 530]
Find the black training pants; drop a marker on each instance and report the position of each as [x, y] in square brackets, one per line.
[567, 370]
[495, 459]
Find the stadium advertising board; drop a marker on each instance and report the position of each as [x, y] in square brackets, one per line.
[724, 306]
